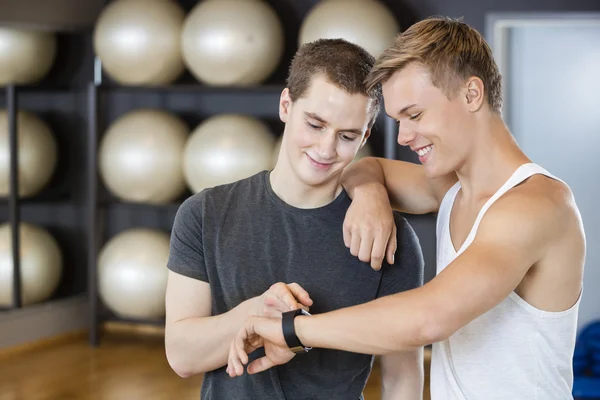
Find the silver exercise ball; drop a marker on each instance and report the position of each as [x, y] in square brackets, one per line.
[37, 153]
[232, 42]
[26, 56]
[132, 273]
[41, 264]
[364, 151]
[140, 156]
[139, 41]
[367, 23]
[226, 148]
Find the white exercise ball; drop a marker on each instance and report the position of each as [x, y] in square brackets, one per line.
[139, 41]
[226, 148]
[367, 23]
[132, 273]
[140, 156]
[37, 153]
[232, 42]
[26, 56]
[41, 264]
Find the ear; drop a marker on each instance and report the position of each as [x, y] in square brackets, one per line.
[285, 105]
[364, 140]
[475, 93]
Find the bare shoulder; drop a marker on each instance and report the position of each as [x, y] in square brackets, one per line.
[534, 215]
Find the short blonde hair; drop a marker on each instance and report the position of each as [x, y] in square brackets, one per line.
[450, 49]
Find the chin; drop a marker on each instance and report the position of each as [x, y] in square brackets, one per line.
[313, 178]
[435, 171]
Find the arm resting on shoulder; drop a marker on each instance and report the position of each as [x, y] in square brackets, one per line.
[402, 375]
[405, 184]
[512, 237]
[196, 342]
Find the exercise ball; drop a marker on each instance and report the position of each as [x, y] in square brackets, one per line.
[26, 56]
[226, 148]
[364, 151]
[139, 41]
[132, 273]
[232, 42]
[367, 23]
[37, 153]
[41, 264]
[140, 156]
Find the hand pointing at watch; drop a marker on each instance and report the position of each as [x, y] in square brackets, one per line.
[258, 332]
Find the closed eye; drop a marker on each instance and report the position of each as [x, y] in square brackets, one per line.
[316, 127]
[414, 117]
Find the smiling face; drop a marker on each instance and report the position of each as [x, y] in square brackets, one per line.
[434, 126]
[324, 130]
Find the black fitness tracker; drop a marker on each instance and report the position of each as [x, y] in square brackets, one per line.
[289, 331]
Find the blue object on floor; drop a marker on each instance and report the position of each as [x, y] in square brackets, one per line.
[586, 388]
[586, 364]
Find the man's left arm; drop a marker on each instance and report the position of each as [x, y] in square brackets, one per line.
[402, 373]
[512, 237]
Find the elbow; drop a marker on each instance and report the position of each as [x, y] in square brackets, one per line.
[178, 365]
[179, 362]
[435, 328]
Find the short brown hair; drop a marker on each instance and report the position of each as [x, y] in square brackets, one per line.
[450, 49]
[343, 63]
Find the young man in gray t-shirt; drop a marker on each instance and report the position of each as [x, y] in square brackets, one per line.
[273, 242]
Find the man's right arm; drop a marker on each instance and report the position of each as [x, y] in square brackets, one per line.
[376, 186]
[405, 184]
[195, 341]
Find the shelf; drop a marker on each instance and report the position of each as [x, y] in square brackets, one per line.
[194, 88]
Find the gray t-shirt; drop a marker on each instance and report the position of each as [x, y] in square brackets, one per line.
[242, 238]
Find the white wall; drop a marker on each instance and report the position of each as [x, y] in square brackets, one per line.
[553, 106]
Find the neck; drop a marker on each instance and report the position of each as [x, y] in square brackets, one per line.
[493, 157]
[288, 187]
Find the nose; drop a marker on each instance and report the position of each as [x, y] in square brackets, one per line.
[405, 134]
[327, 146]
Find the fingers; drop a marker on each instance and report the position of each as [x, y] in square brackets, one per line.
[300, 294]
[378, 251]
[347, 235]
[355, 243]
[392, 245]
[285, 295]
[259, 365]
[236, 360]
[366, 246]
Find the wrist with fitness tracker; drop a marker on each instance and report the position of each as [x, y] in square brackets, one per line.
[289, 331]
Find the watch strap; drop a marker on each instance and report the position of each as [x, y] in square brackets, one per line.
[289, 330]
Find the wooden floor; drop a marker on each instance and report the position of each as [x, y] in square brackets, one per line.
[123, 367]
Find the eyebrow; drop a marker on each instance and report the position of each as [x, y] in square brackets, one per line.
[405, 109]
[321, 120]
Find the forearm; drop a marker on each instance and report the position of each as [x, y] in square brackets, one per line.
[407, 387]
[364, 174]
[200, 344]
[400, 322]
[403, 377]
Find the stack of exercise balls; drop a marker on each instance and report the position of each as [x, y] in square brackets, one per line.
[41, 262]
[223, 42]
[26, 57]
[152, 156]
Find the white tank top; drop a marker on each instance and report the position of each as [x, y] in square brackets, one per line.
[514, 351]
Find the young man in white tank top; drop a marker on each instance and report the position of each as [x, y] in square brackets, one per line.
[502, 310]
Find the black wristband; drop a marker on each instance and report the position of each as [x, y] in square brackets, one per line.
[289, 330]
